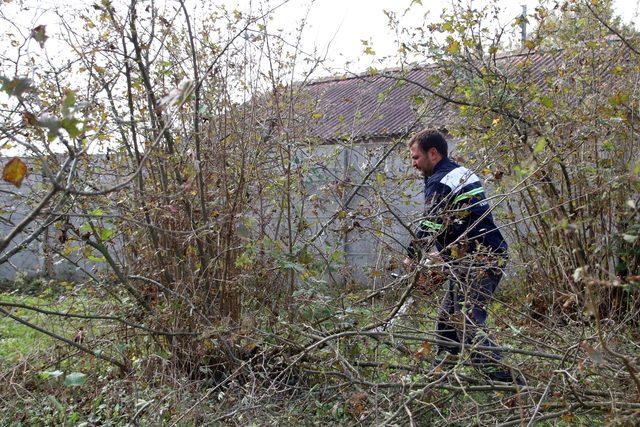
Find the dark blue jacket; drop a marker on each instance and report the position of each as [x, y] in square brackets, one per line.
[455, 204]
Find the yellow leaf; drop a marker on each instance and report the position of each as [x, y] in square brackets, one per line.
[15, 171]
[568, 418]
[454, 47]
[454, 251]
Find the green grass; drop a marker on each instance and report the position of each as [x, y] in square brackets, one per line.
[17, 341]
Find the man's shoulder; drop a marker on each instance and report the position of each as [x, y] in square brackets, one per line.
[455, 176]
[442, 169]
[433, 184]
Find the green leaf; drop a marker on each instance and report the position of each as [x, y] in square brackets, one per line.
[96, 212]
[50, 374]
[304, 257]
[75, 379]
[70, 124]
[52, 124]
[337, 256]
[106, 234]
[417, 99]
[94, 258]
[619, 99]
[68, 103]
[56, 403]
[288, 265]
[546, 101]
[540, 144]
[243, 260]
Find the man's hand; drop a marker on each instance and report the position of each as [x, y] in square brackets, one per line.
[431, 275]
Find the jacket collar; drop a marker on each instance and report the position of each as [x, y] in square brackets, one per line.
[443, 163]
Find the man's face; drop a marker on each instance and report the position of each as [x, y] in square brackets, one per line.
[424, 162]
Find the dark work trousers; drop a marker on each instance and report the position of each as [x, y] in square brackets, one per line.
[463, 313]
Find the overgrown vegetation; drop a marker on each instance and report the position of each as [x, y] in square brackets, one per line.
[172, 162]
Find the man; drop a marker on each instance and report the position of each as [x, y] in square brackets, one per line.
[458, 221]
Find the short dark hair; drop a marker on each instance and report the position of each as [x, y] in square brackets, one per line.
[427, 139]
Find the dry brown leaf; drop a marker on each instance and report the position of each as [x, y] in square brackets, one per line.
[423, 351]
[15, 171]
[357, 404]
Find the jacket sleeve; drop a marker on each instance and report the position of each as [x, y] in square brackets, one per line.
[434, 222]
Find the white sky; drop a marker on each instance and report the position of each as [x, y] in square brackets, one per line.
[345, 23]
[339, 24]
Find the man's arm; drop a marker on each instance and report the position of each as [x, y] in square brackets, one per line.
[434, 221]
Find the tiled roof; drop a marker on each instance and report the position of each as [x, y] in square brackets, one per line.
[394, 102]
[370, 106]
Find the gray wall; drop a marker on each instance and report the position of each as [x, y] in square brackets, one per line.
[37, 258]
[371, 235]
